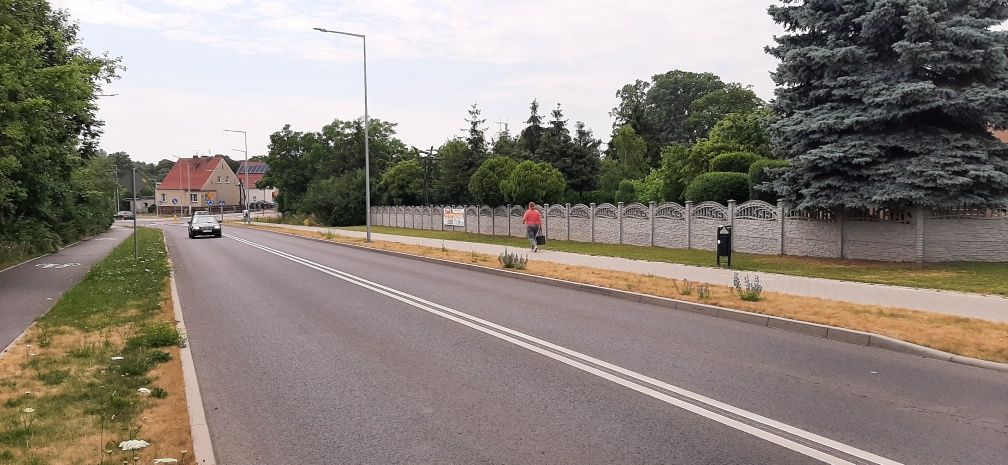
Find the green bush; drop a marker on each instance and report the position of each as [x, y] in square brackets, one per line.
[512, 260]
[485, 183]
[534, 182]
[337, 200]
[718, 187]
[160, 334]
[758, 176]
[627, 191]
[734, 162]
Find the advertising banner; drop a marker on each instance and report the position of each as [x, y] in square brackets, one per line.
[454, 217]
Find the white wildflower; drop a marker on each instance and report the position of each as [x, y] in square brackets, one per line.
[117, 358]
[28, 410]
[133, 444]
[166, 460]
[144, 391]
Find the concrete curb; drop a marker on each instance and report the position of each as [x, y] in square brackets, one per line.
[13, 343]
[834, 333]
[203, 452]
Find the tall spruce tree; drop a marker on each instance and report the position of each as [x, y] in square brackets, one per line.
[477, 135]
[532, 135]
[890, 103]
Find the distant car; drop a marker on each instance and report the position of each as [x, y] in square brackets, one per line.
[124, 215]
[204, 225]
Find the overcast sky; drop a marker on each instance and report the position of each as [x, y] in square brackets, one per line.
[196, 67]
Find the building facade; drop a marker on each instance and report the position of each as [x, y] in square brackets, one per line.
[192, 182]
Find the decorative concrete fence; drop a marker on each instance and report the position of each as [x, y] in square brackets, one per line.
[758, 227]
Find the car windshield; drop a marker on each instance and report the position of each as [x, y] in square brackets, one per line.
[204, 220]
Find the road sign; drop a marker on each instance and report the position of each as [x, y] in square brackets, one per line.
[174, 201]
[221, 202]
[209, 202]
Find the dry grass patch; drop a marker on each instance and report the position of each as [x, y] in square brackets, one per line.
[963, 336]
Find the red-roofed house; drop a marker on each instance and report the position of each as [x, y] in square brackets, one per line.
[193, 181]
[256, 171]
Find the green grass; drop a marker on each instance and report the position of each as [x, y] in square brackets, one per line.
[984, 278]
[73, 385]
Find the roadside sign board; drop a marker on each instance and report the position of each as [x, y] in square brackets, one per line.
[174, 201]
[454, 217]
[221, 202]
[209, 202]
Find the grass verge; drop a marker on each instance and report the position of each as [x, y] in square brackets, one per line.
[977, 277]
[963, 336]
[66, 396]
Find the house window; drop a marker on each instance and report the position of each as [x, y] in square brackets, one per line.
[164, 197]
[227, 179]
[218, 179]
[193, 198]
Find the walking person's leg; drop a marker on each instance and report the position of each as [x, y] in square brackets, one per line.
[530, 233]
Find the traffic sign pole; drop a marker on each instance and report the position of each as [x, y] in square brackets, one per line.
[135, 247]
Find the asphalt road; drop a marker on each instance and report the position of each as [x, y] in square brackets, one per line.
[29, 290]
[311, 353]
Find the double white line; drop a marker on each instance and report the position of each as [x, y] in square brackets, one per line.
[798, 440]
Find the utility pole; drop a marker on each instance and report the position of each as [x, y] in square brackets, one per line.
[116, 188]
[135, 247]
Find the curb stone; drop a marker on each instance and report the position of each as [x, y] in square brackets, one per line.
[203, 451]
[834, 333]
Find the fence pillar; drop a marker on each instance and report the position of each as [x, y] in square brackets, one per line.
[619, 217]
[781, 213]
[689, 224]
[567, 214]
[478, 230]
[651, 204]
[918, 215]
[591, 218]
[840, 222]
[546, 220]
[508, 216]
[731, 214]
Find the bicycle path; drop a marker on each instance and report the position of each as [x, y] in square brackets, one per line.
[30, 289]
[988, 307]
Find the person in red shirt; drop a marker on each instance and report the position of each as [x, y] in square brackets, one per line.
[533, 224]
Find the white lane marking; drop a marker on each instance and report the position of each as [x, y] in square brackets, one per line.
[57, 266]
[528, 342]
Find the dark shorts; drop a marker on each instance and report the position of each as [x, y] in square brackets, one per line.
[532, 231]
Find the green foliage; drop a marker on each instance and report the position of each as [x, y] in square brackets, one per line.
[629, 160]
[764, 171]
[734, 162]
[719, 187]
[679, 107]
[652, 188]
[686, 289]
[627, 191]
[455, 167]
[512, 260]
[485, 184]
[507, 146]
[533, 182]
[884, 104]
[477, 134]
[156, 335]
[336, 201]
[750, 291]
[402, 184]
[53, 377]
[50, 182]
[532, 135]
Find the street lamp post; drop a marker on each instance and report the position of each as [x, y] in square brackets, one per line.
[367, 122]
[188, 184]
[245, 185]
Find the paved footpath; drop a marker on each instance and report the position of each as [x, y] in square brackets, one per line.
[994, 308]
[29, 290]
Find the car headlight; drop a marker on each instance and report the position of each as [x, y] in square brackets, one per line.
[216, 227]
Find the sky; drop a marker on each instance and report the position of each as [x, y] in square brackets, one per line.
[196, 67]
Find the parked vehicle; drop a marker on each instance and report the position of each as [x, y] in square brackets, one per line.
[124, 215]
[204, 225]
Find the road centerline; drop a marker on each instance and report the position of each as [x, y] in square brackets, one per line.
[790, 437]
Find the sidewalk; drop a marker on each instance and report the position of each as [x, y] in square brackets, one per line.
[994, 308]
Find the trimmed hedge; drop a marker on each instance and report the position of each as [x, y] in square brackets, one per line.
[734, 162]
[719, 187]
[758, 176]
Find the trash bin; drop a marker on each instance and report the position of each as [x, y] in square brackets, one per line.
[724, 243]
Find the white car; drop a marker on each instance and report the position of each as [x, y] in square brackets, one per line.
[204, 225]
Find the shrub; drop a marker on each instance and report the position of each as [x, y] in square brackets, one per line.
[627, 191]
[734, 162]
[512, 260]
[485, 183]
[534, 182]
[719, 187]
[160, 334]
[336, 201]
[758, 175]
[703, 292]
[687, 288]
[752, 289]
